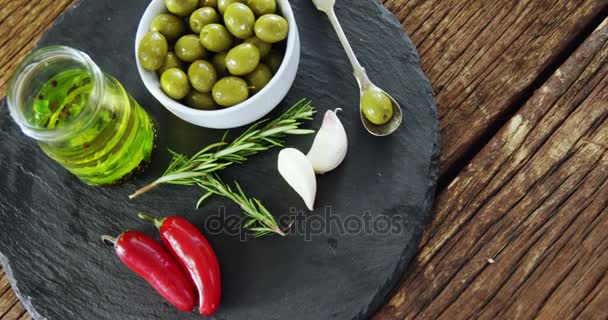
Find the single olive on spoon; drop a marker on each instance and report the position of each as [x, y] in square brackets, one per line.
[380, 113]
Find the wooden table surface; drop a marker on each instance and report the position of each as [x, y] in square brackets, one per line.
[521, 218]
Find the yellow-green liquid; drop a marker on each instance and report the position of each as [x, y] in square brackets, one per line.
[106, 146]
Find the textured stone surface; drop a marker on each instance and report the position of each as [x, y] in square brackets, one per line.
[51, 222]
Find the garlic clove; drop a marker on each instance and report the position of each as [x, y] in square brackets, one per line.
[330, 145]
[295, 168]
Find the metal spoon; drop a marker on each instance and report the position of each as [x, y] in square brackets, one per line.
[327, 6]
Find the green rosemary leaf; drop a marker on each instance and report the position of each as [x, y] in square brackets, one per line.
[299, 131]
[249, 224]
[209, 147]
[273, 142]
[203, 198]
[234, 150]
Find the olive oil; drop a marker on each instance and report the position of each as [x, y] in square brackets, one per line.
[102, 147]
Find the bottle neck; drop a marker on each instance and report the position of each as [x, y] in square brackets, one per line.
[40, 102]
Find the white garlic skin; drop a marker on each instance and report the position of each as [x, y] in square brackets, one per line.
[295, 168]
[330, 145]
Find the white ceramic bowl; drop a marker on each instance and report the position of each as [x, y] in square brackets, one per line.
[247, 111]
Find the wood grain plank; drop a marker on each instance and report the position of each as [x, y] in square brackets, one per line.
[10, 307]
[521, 232]
[590, 307]
[15, 313]
[7, 301]
[21, 25]
[25, 316]
[483, 57]
[4, 284]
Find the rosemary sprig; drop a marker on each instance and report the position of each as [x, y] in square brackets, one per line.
[215, 157]
[261, 221]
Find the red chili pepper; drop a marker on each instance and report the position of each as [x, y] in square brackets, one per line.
[194, 253]
[146, 257]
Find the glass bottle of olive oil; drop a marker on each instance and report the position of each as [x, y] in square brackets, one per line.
[81, 117]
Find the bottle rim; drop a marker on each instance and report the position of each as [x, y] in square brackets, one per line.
[24, 72]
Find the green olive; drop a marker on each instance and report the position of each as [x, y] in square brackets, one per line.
[222, 5]
[208, 3]
[264, 47]
[200, 100]
[230, 91]
[377, 106]
[174, 83]
[152, 50]
[189, 48]
[202, 17]
[216, 38]
[274, 60]
[239, 20]
[262, 7]
[171, 61]
[242, 59]
[202, 75]
[181, 8]
[169, 25]
[219, 63]
[259, 77]
[271, 28]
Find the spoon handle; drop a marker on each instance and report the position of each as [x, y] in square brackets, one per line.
[359, 71]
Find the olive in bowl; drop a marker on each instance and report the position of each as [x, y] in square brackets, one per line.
[227, 88]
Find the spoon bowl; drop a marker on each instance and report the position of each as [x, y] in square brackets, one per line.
[384, 129]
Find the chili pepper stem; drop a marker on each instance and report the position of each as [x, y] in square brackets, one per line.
[157, 222]
[108, 239]
[144, 190]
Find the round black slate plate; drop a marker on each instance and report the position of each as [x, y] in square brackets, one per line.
[50, 223]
